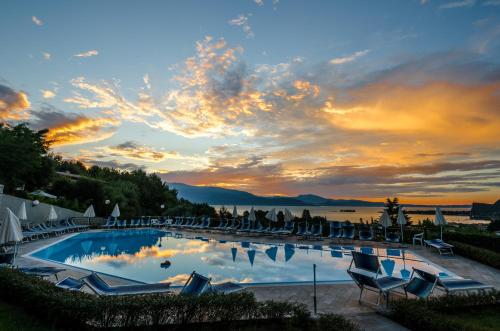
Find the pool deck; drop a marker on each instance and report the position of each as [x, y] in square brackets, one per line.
[334, 298]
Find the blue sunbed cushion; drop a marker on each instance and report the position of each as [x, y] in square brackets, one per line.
[457, 284]
[419, 287]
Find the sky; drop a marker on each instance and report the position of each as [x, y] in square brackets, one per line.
[345, 99]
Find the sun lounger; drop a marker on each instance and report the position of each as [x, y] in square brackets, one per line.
[287, 228]
[366, 275]
[452, 285]
[365, 233]
[122, 224]
[146, 222]
[100, 287]
[110, 223]
[82, 227]
[70, 283]
[441, 246]
[196, 284]
[36, 230]
[392, 237]
[335, 230]
[245, 226]
[316, 231]
[135, 222]
[162, 222]
[419, 287]
[42, 271]
[301, 230]
[225, 288]
[347, 231]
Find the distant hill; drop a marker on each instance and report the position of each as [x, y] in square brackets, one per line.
[222, 196]
[485, 210]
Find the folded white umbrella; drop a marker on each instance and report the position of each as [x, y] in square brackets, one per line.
[251, 216]
[52, 214]
[272, 216]
[401, 220]
[440, 220]
[385, 221]
[89, 212]
[116, 211]
[288, 215]
[21, 213]
[235, 212]
[10, 230]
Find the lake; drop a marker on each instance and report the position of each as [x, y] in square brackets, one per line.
[333, 213]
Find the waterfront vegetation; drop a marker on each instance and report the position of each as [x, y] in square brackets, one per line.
[475, 312]
[63, 309]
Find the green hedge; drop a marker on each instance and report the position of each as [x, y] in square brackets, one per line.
[478, 254]
[431, 315]
[76, 310]
[487, 242]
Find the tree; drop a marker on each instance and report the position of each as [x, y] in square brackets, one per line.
[24, 158]
[392, 207]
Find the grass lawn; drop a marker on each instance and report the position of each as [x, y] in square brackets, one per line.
[14, 319]
[481, 319]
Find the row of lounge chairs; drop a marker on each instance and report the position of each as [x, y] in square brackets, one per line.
[196, 284]
[33, 231]
[366, 272]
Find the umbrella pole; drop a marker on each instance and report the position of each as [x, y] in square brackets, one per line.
[402, 234]
[441, 232]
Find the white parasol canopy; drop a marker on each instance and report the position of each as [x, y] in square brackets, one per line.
[401, 220]
[116, 211]
[89, 212]
[52, 214]
[288, 215]
[235, 212]
[21, 213]
[10, 230]
[385, 221]
[440, 220]
[251, 216]
[272, 216]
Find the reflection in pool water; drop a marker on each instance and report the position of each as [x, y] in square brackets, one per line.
[138, 254]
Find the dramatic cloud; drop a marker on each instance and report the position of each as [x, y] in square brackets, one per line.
[71, 128]
[242, 21]
[87, 53]
[13, 104]
[133, 150]
[111, 164]
[349, 58]
[36, 20]
[48, 94]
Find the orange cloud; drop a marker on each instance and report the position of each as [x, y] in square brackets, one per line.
[13, 104]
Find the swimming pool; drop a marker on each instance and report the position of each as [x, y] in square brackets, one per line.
[138, 255]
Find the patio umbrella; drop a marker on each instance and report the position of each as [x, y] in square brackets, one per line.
[234, 250]
[89, 213]
[289, 251]
[271, 252]
[10, 230]
[401, 220]
[251, 217]
[116, 211]
[86, 245]
[251, 255]
[288, 215]
[272, 216]
[21, 213]
[439, 220]
[385, 221]
[52, 215]
[235, 213]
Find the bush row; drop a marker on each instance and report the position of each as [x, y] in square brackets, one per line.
[431, 315]
[77, 310]
[482, 255]
[487, 242]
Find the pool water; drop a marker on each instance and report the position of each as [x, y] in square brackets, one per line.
[138, 255]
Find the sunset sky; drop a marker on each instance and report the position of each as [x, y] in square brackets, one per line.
[345, 99]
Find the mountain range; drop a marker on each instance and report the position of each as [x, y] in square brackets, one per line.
[222, 196]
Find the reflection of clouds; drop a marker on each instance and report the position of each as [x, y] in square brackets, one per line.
[177, 279]
[214, 260]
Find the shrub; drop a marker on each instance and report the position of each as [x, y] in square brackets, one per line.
[484, 241]
[78, 310]
[478, 254]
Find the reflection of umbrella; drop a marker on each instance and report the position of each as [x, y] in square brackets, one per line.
[52, 214]
[404, 272]
[116, 211]
[251, 255]
[251, 217]
[86, 245]
[245, 244]
[112, 248]
[271, 215]
[21, 213]
[439, 220]
[401, 220]
[388, 265]
[288, 215]
[234, 250]
[289, 251]
[271, 252]
[385, 221]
